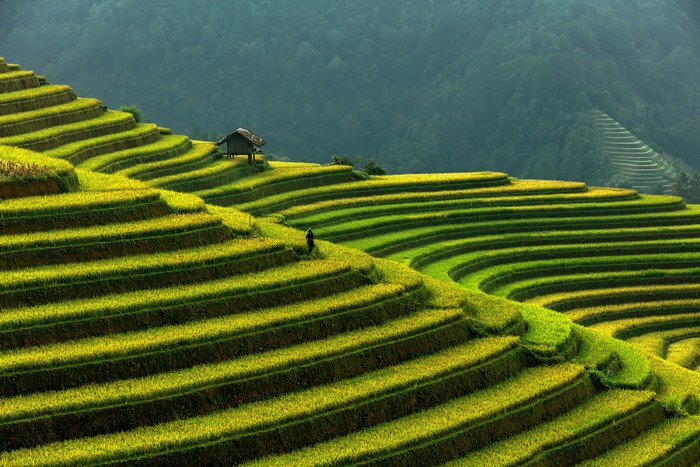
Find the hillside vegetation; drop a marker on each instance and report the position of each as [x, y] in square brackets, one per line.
[631, 162]
[157, 309]
[420, 86]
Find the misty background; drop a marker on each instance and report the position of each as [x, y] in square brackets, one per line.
[419, 85]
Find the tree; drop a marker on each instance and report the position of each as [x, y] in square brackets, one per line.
[372, 167]
[687, 187]
[133, 110]
[342, 160]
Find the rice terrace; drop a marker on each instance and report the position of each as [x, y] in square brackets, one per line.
[160, 307]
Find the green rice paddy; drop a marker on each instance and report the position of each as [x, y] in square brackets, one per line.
[161, 306]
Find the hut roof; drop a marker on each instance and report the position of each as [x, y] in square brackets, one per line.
[249, 135]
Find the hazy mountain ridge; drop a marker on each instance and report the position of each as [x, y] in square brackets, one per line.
[421, 86]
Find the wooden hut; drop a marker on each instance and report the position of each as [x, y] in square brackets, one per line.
[242, 141]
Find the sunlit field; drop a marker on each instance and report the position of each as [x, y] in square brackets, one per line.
[161, 305]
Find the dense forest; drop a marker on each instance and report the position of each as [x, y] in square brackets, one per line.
[420, 85]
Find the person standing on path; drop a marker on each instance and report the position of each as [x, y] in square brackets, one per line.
[310, 240]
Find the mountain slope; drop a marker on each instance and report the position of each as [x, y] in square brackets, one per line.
[143, 325]
[445, 86]
[630, 161]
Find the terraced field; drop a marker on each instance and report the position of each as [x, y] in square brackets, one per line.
[631, 161]
[143, 324]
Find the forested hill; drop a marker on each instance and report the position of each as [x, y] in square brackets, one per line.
[420, 85]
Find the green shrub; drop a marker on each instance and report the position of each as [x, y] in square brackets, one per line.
[372, 167]
[133, 110]
[343, 160]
